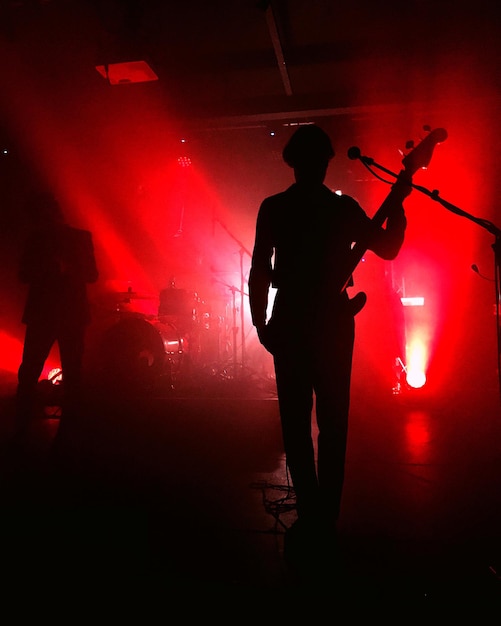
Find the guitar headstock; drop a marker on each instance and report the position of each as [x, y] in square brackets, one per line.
[419, 156]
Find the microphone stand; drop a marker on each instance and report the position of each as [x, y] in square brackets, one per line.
[234, 329]
[486, 224]
[243, 250]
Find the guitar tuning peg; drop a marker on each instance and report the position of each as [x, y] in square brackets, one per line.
[409, 145]
[427, 128]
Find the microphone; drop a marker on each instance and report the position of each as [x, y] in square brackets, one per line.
[474, 267]
[354, 153]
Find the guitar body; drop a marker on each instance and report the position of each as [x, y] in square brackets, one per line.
[357, 302]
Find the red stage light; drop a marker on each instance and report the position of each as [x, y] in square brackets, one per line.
[416, 364]
[184, 161]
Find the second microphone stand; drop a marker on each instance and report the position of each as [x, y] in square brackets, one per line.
[486, 224]
[243, 250]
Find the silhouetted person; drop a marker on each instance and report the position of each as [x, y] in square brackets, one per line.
[57, 263]
[303, 238]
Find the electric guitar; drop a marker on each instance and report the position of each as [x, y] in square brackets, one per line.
[418, 158]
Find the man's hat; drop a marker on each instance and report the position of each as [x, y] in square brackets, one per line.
[308, 143]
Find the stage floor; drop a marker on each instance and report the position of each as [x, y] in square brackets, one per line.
[190, 490]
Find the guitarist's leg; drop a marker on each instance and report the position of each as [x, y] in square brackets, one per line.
[295, 397]
[332, 388]
[39, 338]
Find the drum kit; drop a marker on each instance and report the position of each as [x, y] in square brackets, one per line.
[143, 348]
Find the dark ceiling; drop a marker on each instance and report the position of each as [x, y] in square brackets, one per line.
[243, 62]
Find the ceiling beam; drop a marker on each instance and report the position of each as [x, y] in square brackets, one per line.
[277, 47]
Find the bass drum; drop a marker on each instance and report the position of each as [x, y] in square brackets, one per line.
[141, 352]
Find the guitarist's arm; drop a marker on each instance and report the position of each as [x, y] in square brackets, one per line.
[260, 276]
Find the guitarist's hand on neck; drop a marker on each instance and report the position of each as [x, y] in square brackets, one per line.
[402, 187]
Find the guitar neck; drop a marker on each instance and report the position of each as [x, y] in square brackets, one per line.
[360, 247]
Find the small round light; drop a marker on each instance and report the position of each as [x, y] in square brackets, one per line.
[55, 376]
